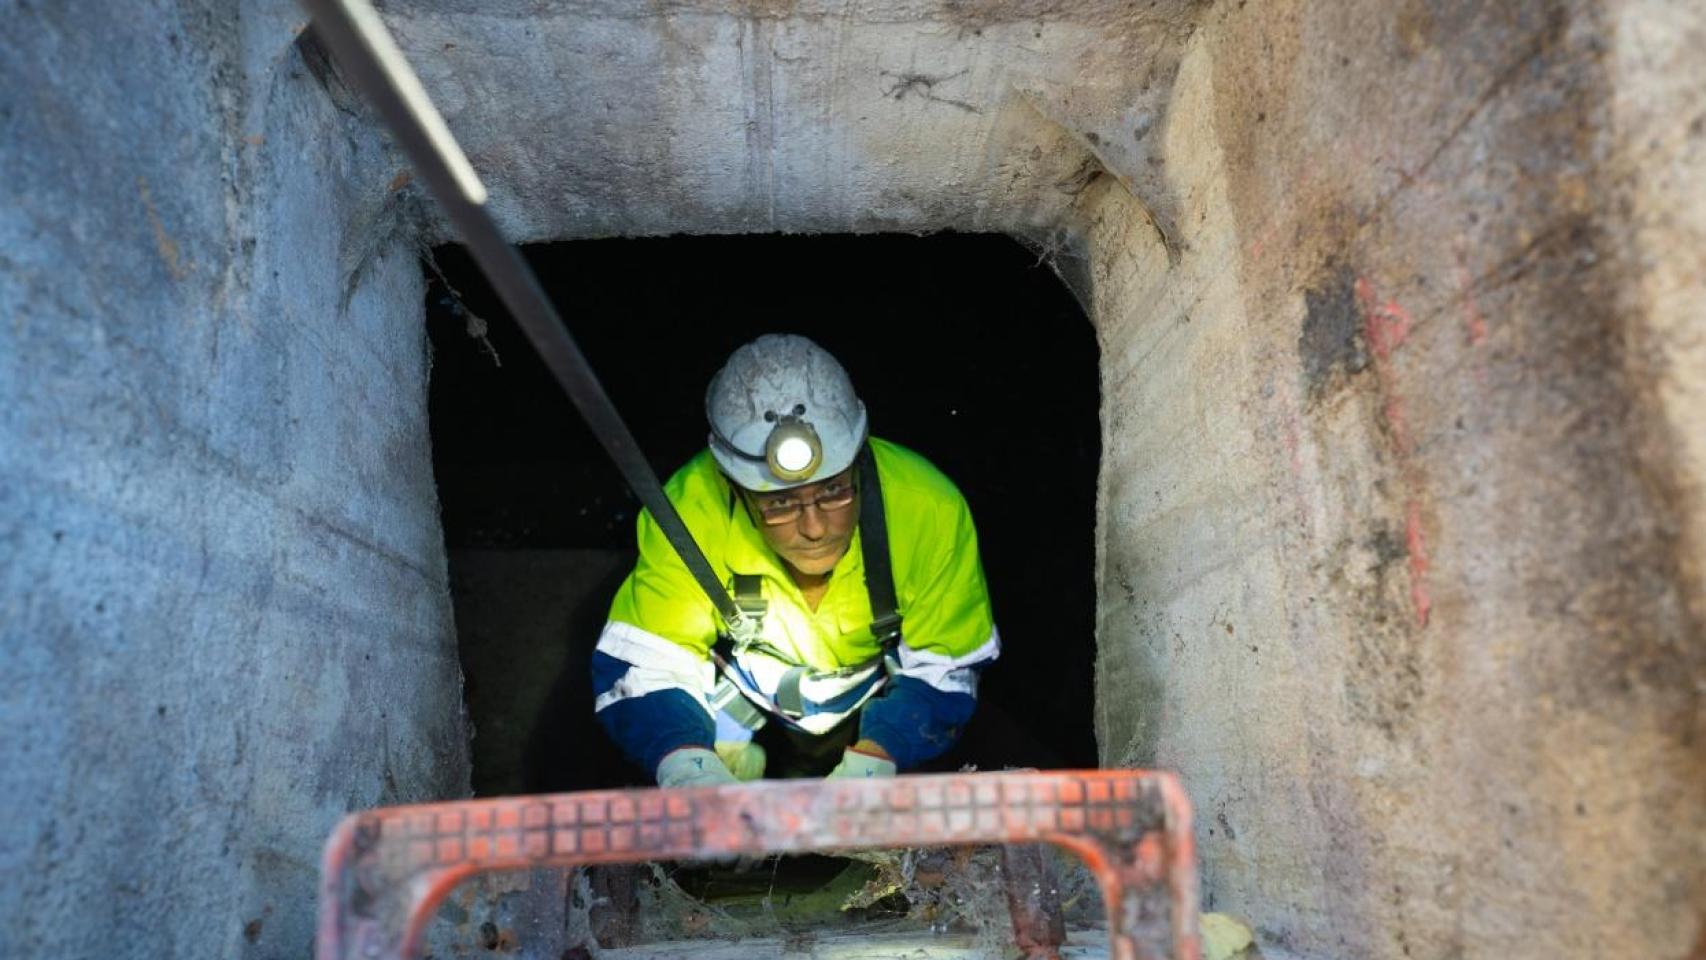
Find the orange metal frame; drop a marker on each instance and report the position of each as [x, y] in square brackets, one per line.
[386, 870]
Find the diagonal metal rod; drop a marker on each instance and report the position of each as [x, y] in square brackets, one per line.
[366, 52]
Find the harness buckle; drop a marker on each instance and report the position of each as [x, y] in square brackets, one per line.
[745, 632]
[728, 698]
[886, 630]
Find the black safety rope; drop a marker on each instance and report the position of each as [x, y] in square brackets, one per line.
[366, 53]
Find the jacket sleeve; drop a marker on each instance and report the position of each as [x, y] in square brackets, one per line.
[949, 638]
[649, 694]
[651, 671]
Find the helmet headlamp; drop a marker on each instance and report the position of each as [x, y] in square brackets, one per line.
[793, 451]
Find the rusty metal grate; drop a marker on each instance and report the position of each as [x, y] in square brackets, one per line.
[386, 870]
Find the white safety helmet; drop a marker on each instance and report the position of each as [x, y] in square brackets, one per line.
[783, 414]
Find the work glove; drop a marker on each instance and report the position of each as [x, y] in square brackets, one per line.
[693, 767]
[856, 764]
[744, 758]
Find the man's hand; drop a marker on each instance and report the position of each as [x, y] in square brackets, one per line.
[693, 767]
[863, 759]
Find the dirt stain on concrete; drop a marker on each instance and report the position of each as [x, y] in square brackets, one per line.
[1331, 345]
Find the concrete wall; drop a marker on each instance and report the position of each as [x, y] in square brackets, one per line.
[224, 618]
[595, 118]
[1403, 546]
[1401, 494]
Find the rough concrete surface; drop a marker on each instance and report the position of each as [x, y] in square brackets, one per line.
[604, 118]
[1400, 522]
[224, 619]
[1402, 529]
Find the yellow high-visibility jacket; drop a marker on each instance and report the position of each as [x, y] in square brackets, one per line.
[653, 674]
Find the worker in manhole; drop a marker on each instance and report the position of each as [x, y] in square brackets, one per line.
[865, 617]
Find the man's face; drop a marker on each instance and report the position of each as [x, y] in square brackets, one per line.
[809, 527]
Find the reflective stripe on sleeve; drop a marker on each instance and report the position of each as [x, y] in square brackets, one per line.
[950, 674]
[654, 664]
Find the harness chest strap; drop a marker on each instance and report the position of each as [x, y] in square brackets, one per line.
[879, 570]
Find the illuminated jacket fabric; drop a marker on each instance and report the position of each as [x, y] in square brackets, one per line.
[653, 674]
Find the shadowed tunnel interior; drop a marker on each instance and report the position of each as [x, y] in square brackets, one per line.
[965, 348]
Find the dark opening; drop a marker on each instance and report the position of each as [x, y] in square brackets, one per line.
[963, 347]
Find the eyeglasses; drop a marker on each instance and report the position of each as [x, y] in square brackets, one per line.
[775, 509]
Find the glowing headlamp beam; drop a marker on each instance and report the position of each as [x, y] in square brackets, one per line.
[793, 454]
[794, 450]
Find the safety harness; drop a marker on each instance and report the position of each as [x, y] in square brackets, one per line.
[748, 705]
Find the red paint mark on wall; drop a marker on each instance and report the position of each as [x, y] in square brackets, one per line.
[1386, 327]
[1416, 544]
